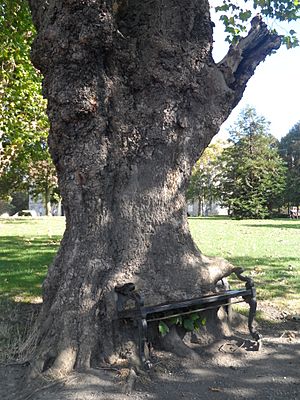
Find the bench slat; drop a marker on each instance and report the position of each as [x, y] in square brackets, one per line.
[201, 302]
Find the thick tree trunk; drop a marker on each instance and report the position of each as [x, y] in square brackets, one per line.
[134, 97]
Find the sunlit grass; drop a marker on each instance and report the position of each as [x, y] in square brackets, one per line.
[269, 250]
[27, 247]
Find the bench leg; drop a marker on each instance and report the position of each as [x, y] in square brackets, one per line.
[228, 310]
[252, 311]
[143, 340]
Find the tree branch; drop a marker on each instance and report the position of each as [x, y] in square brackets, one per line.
[243, 57]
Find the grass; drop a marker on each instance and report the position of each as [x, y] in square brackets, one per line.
[16, 322]
[268, 249]
[27, 247]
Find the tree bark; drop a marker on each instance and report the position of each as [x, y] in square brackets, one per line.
[134, 97]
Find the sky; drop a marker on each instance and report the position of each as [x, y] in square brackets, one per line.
[273, 90]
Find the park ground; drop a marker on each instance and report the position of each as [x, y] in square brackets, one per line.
[229, 369]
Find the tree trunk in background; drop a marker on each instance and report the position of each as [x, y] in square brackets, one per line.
[134, 97]
[47, 201]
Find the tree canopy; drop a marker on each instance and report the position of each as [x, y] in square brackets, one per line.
[23, 122]
[203, 182]
[289, 148]
[236, 14]
[253, 177]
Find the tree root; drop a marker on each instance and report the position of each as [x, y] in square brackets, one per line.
[53, 367]
[173, 342]
[218, 268]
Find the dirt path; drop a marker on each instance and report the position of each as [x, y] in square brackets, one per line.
[233, 372]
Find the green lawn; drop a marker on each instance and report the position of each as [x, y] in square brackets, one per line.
[27, 247]
[268, 249]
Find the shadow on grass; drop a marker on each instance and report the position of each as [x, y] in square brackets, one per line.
[20, 221]
[280, 225]
[24, 264]
[216, 218]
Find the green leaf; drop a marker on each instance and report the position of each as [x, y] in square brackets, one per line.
[225, 7]
[175, 320]
[163, 328]
[235, 17]
[194, 316]
[188, 324]
[245, 15]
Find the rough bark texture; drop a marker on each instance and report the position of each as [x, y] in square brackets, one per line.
[134, 97]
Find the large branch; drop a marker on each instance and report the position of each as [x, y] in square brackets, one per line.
[243, 57]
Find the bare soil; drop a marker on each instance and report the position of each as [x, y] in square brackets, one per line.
[227, 369]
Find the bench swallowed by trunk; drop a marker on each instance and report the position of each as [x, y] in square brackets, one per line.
[141, 315]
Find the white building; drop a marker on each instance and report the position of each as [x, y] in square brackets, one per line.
[206, 209]
[37, 205]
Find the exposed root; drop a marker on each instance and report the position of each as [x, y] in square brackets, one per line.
[130, 381]
[173, 342]
[219, 268]
[65, 361]
[51, 367]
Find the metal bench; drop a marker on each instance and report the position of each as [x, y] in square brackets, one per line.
[142, 314]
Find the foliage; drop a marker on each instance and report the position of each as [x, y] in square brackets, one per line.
[236, 14]
[19, 201]
[5, 207]
[23, 121]
[12, 204]
[190, 322]
[42, 177]
[253, 179]
[202, 182]
[289, 148]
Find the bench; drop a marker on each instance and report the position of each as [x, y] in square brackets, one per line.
[142, 315]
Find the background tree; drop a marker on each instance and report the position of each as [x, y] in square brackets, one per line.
[43, 180]
[203, 183]
[290, 151]
[134, 97]
[23, 121]
[253, 178]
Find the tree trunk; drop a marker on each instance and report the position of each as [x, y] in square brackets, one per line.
[134, 97]
[47, 201]
[200, 207]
